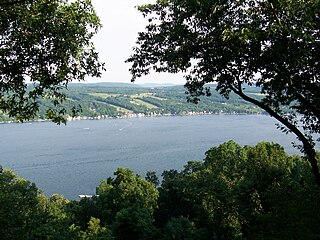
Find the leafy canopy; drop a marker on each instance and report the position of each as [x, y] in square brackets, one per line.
[270, 44]
[249, 192]
[44, 45]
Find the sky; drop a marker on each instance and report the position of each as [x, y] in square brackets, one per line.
[121, 23]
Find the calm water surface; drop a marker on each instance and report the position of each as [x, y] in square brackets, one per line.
[71, 160]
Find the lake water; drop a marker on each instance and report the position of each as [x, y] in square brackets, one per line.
[71, 160]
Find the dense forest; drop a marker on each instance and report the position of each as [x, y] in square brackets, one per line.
[250, 192]
[110, 100]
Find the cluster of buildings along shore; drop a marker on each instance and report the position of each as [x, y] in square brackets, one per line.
[141, 115]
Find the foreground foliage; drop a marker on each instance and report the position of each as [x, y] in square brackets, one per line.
[235, 193]
[47, 43]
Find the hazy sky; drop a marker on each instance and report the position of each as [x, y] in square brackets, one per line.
[121, 23]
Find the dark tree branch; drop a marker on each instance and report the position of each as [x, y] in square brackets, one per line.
[275, 13]
[311, 107]
[308, 146]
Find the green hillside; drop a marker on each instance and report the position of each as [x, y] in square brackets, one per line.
[105, 100]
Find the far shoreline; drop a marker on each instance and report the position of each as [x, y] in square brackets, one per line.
[136, 115]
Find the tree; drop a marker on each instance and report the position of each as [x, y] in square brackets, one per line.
[56, 218]
[152, 177]
[44, 45]
[259, 192]
[179, 228]
[95, 231]
[270, 44]
[18, 207]
[124, 191]
[134, 222]
[256, 192]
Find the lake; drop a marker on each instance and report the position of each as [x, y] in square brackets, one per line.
[71, 160]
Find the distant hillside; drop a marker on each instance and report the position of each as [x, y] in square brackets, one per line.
[105, 100]
[105, 85]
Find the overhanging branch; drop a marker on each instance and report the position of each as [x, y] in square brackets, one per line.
[308, 146]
